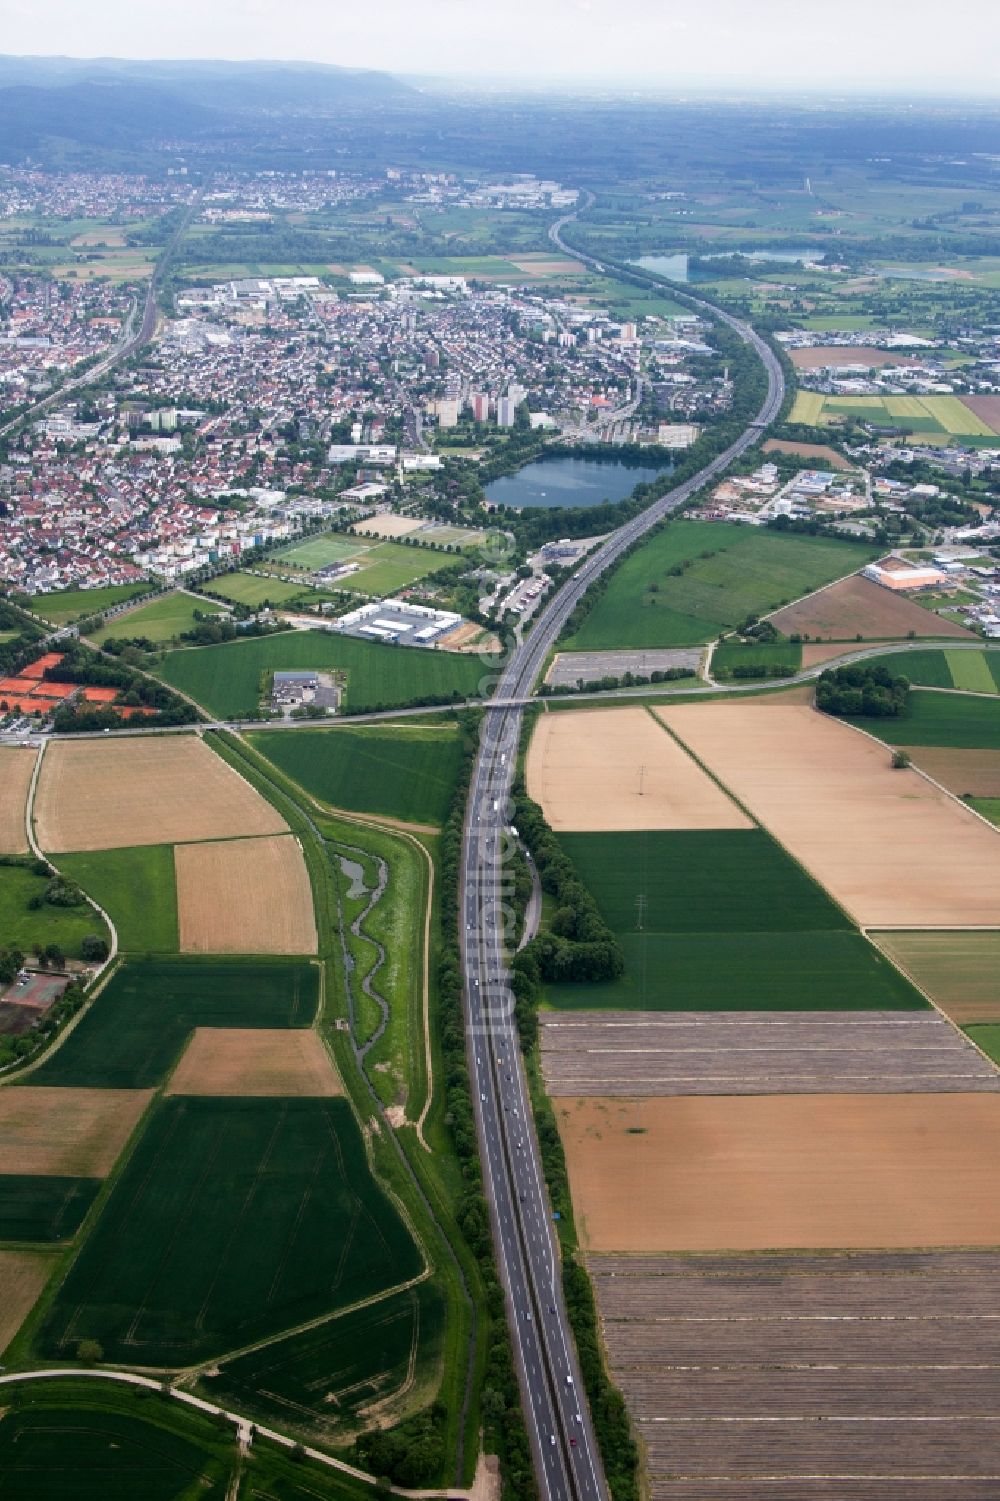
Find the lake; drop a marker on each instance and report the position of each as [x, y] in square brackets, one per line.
[676, 266]
[570, 482]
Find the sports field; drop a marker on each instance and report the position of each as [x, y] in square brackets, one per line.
[226, 680]
[857, 606]
[256, 1061]
[244, 896]
[960, 971]
[163, 619]
[76, 604]
[604, 769]
[317, 552]
[16, 766]
[389, 566]
[744, 1173]
[727, 572]
[722, 921]
[42, 1207]
[164, 1277]
[136, 888]
[942, 719]
[150, 789]
[351, 1369]
[250, 590]
[828, 794]
[23, 1274]
[396, 770]
[68, 1133]
[136, 1029]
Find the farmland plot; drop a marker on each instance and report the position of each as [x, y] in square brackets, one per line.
[150, 789]
[244, 896]
[857, 606]
[164, 1277]
[23, 1274]
[259, 1061]
[70, 1133]
[16, 767]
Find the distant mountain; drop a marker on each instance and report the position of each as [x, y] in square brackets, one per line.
[217, 84]
[102, 116]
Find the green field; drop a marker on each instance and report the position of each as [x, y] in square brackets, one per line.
[227, 680]
[163, 619]
[734, 652]
[327, 1374]
[963, 668]
[941, 719]
[397, 771]
[85, 1452]
[75, 604]
[390, 566]
[723, 920]
[319, 551]
[137, 1027]
[23, 928]
[988, 1038]
[137, 889]
[250, 590]
[166, 1276]
[989, 807]
[40, 1208]
[729, 572]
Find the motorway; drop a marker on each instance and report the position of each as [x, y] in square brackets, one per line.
[567, 1461]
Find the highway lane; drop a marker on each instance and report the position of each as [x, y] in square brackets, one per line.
[567, 1461]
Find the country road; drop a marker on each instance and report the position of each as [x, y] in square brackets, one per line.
[567, 1460]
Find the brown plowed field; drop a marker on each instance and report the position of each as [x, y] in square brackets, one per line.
[71, 1133]
[153, 789]
[858, 607]
[291, 1061]
[960, 971]
[783, 1171]
[890, 847]
[839, 355]
[627, 1054]
[815, 653]
[16, 766]
[23, 1274]
[961, 771]
[244, 896]
[775, 1376]
[824, 456]
[986, 408]
[613, 769]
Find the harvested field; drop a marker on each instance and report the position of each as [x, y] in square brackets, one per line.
[830, 794]
[615, 769]
[959, 971]
[824, 456]
[154, 789]
[961, 771]
[255, 1062]
[651, 1053]
[390, 526]
[855, 1377]
[986, 408]
[244, 896]
[23, 1274]
[855, 607]
[16, 766]
[783, 1171]
[815, 653]
[69, 1133]
[837, 356]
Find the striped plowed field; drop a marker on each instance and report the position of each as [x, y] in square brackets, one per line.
[856, 1376]
[643, 1053]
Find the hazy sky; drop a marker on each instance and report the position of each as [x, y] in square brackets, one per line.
[802, 43]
